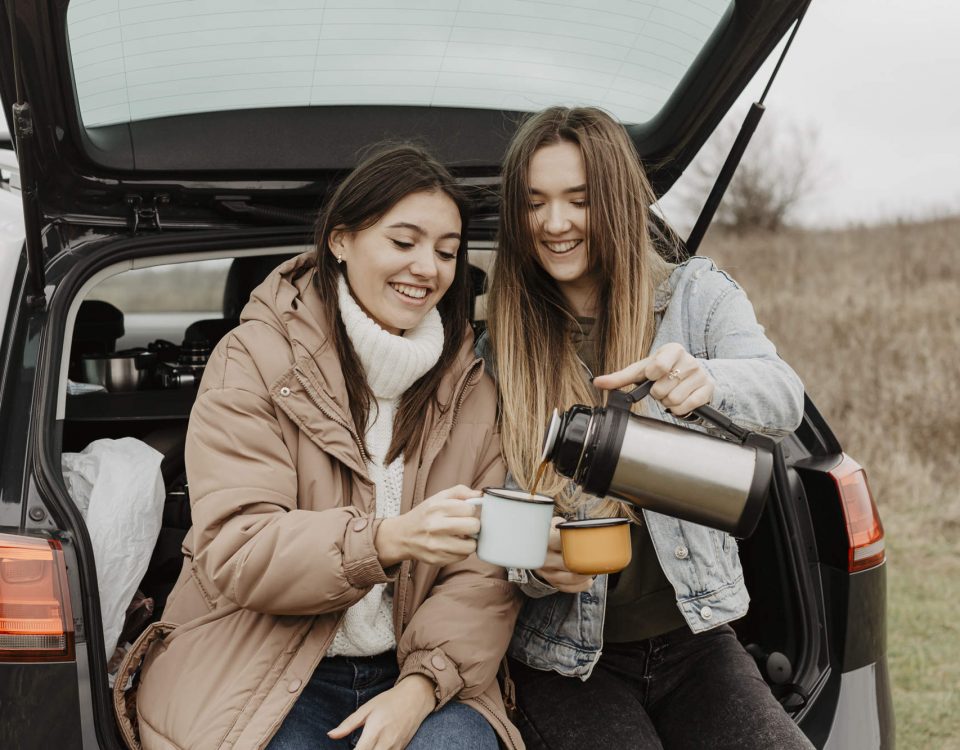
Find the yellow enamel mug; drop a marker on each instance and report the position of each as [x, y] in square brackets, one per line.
[596, 545]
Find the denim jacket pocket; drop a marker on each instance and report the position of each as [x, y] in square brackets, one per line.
[562, 632]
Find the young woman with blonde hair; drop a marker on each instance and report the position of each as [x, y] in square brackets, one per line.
[646, 658]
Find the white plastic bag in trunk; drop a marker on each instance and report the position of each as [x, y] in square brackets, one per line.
[119, 489]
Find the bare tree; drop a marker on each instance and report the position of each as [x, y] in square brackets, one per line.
[778, 172]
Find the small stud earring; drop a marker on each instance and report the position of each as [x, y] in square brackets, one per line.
[340, 258]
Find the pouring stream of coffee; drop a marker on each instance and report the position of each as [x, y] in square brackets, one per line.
[540, 472]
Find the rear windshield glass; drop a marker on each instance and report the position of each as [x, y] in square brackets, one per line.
[141, 59]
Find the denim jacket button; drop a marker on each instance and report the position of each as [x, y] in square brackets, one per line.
[706, 613]
[681, 552]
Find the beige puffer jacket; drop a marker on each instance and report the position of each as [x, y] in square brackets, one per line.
[283, 532]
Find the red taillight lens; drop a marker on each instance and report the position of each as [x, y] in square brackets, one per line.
[864, 530]
[36, 623]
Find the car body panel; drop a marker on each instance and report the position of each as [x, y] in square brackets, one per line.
[11, 245]
[26, 690]
[864, 714]
[865, 614]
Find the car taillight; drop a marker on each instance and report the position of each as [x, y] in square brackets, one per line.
[866, 548]
[36, 622]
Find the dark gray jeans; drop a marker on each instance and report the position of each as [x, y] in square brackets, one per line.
[677, 691]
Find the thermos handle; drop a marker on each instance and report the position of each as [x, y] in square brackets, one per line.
[706, 412]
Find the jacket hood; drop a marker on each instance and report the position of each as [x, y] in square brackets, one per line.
[276, 302]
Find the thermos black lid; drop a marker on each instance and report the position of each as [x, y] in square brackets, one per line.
[604, 453]
[567, 439]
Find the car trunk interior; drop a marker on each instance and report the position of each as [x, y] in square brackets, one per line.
[156, 410]
[781, 630]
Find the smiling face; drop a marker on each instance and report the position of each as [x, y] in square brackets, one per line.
[399, 268]
[558, 217]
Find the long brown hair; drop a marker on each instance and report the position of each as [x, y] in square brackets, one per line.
[380, 181]
[529, 319]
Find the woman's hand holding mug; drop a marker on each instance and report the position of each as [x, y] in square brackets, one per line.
[439, 531]
[555, 572]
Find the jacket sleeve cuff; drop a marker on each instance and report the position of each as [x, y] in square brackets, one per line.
[534, 587]
[439, 668]
[361, 566]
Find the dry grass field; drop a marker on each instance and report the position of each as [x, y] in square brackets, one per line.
[870, 319]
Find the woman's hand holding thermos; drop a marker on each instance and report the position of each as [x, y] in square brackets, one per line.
[681, 382]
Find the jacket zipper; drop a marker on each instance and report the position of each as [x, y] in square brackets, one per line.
[506, 729]
[463, 391]
[308, 388]
[400, 591]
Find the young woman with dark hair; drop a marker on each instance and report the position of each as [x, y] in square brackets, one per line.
[645, 658]
[330, 595]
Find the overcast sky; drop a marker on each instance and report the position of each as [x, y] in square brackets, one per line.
[878, 80]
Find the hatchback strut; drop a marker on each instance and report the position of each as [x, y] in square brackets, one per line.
[736, 153]
[24, 135]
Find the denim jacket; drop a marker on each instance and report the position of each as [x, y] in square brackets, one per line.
[703, 309]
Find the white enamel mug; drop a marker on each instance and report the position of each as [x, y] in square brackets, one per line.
[514, 527]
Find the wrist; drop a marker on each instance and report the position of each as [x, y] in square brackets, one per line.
[542, 580]
[389, 542]
[422, 691]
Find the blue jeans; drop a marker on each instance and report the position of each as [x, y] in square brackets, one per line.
[341, 684]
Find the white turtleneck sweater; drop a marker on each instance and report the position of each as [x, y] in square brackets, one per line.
[392, 364]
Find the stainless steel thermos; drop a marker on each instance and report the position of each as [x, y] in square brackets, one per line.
[663, 467]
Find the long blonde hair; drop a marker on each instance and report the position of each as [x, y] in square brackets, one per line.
[528, 316]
